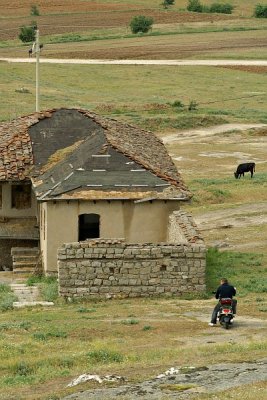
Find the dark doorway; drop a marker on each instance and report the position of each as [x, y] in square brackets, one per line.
[88, 226]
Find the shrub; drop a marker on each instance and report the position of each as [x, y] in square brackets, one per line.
[167, 3]
[140, 23]
[192, 105]
[195, 6]
[223, 8]
[130, 322]
[27, 33]
[260, 11]
[177, 104]
[104, 356]
[34, 10]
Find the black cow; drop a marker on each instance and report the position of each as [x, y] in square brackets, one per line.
[246, 167]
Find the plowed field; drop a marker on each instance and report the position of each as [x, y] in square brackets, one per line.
[23, 7]
[59, 24]
[164, 47]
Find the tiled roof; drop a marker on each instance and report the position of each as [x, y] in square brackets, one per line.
[34, 147]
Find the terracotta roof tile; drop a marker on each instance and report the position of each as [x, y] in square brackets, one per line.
[143, 147]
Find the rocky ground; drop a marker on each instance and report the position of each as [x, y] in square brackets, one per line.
[183, 383]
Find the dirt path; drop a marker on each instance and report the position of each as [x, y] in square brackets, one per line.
[239, 216]
[193, 134]
[138, 62]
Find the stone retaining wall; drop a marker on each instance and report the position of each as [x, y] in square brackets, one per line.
[113, 268]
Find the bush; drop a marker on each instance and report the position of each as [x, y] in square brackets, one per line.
[223, 8]
[34, 10]
[177, 104]
[192, 105]
[167, 3]
[140, 23]
[195, 6]
[260, 11]
[27, 33]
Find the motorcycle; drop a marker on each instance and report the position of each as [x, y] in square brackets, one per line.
[225, 314]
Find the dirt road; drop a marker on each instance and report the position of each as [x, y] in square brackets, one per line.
[138, 62]
[195, 134]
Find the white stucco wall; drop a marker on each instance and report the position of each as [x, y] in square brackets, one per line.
[145, 222]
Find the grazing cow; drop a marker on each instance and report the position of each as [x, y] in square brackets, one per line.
[242, 168]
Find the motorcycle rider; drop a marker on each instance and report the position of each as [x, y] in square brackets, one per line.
[224, 290]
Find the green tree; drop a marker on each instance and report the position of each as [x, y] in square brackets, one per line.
[195, 6]
[27, 33]
[260, 11]
[223, 8]
[141, 23]
[168, 3]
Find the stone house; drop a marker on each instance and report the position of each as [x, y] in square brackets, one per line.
[68, 175]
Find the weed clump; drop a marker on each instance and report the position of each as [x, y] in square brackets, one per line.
[104, 357]
[48, 286]
[7, 297]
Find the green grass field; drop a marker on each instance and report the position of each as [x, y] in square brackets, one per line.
[43, 349]
[144, 94]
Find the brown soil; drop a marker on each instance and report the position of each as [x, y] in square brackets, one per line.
[22, 8]
[150, 48]
[82, 19]
[253, 68]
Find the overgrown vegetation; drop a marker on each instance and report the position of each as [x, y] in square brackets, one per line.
[246, 271]
[48, 286]
[7, 298]
[141, 24]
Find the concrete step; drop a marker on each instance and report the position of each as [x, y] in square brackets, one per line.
[24, 292]
[29, 257]
[24, 264]
[20, 304]
[24, 250]
[25, 259]
[27, 296]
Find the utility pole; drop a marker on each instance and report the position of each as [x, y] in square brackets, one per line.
[37, 52]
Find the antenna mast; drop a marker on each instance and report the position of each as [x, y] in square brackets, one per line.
[37, 52]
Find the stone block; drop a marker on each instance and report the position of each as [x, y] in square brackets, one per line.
[124, 281]
[79, 253]
[97, 282]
